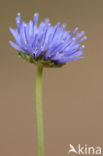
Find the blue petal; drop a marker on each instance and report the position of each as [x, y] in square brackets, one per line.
[65, 59]
[82, 39]
[14, 45]
[15, 34]
[76, 54]
[36, 16]
[18, 21]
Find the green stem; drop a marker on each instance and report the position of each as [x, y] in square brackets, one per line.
[39, 110]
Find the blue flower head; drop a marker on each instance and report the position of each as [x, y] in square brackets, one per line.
[46, 45]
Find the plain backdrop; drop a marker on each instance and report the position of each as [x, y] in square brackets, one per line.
[72, 95]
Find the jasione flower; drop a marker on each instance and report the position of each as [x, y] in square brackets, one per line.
[46, 45]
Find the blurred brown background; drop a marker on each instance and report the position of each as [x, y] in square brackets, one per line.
[72, 95]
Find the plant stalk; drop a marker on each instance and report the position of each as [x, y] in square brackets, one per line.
[39, 110]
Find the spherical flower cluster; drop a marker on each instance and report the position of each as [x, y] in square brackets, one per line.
[46, 45]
